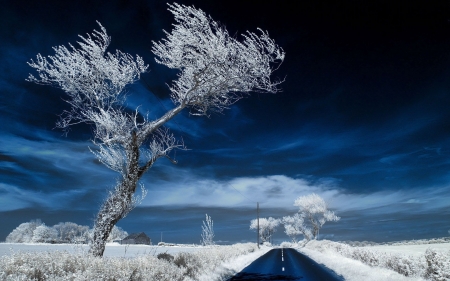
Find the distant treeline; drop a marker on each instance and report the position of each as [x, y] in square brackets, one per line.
[36, 231]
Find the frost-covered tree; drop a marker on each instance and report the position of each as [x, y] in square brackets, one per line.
[117, 233]
[208, 231]
[315, 210]
[295, 226]
[267, 227]
[44, 234]
[69, 232]
[215, 70]
[24, 232]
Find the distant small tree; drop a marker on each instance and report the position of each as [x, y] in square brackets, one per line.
[267, 227]
[44, 234]
[315, 210]
[208, 232]
[295, 226]
[24, 232]
[117, 233]
[69, 232]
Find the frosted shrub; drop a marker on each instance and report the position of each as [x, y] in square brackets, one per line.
[206, 261]
[433, 265]
[57, 265]
[65, 266]
[165, 256]
[367, 257]
[405, 265]
[438, 265]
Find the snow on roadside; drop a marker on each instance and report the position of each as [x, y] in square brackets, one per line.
[353, 270]
[234, 266]
[431, 265]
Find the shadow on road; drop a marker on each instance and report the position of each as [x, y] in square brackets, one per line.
[263, 277]
[285, 265]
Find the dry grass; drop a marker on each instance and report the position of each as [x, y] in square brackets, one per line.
[56, 265]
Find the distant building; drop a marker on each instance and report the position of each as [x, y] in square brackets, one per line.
[137, 238]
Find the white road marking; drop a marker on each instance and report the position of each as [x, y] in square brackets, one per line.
[283, 269]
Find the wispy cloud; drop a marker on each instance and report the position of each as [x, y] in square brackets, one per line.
[49, 172]
[280, 191]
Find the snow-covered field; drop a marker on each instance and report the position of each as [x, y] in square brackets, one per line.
[411, 250]
[387, 262]
[353, 270]
[111, 250]
[188, 262]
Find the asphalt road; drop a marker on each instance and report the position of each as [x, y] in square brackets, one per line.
[285, 264]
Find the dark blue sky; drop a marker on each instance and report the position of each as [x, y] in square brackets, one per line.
[363, 120]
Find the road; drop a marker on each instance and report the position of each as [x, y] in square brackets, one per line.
[285, 264]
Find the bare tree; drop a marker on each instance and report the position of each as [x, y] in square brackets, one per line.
[267, 227]
[295, 226]
[208, 232]
[314, 209]
[215, 70]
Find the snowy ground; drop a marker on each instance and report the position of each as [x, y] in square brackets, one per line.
[413, 250]
[233, 267]
[112, 249]
[353, 270]
[383, 262]
[64, 262]
[341, 258]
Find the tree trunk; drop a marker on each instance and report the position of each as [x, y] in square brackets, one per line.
[116, 207]
[119, 202]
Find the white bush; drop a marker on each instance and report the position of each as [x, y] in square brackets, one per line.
[438, 265]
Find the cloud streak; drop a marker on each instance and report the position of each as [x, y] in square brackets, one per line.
[280, 191]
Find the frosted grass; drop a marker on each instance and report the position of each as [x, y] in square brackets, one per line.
[218, 262]
[111, 250]
[355, 263]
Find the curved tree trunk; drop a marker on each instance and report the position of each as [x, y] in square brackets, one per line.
[119, 202]
[117, 206]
